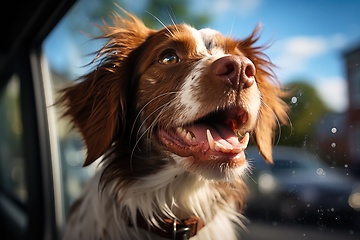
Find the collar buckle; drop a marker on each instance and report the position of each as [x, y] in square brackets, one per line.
[183, 233]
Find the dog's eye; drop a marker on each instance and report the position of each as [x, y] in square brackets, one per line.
[169, 58]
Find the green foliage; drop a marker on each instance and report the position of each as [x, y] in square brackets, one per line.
[172, 11]
[154, 13]
[306, 109]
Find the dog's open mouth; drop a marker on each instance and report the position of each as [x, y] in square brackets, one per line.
[214, 137]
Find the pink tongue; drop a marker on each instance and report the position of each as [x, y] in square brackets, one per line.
[221, 133]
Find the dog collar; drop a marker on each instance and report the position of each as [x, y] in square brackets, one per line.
[171, 228]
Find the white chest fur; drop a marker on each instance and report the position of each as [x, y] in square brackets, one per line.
[100, 214]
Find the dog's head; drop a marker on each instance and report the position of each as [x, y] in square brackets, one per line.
[181, 96]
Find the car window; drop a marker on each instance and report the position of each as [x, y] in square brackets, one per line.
[66, 54]
[12, 174]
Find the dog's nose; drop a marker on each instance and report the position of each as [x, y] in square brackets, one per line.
[238, 71]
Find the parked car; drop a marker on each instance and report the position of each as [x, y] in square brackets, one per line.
[299, 187]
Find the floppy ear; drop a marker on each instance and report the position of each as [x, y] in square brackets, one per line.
[272, 115]
[273, 110]
[97, 104]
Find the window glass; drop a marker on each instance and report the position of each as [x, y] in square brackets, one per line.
[68, 50]
[12, 175]
[315, 46]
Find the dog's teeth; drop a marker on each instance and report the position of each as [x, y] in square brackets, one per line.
[179, 130]
[245, 140]
[188, 136]
[210, 140]
[184, 133]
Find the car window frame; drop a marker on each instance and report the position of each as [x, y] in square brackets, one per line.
[40, 217]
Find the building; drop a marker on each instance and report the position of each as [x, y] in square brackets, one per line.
[352, 68]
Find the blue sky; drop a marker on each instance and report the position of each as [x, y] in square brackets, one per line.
[309, 37]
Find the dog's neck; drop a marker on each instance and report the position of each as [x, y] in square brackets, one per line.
[171, 193]
[175, 194]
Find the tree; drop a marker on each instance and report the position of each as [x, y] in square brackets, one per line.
[177, 10]
[306, 109]
[154, 13]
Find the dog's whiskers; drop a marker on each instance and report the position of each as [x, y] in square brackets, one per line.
[149, 129]
[153, 123]
[172, 19]
[158, 108]
[156, 120]
[142, 109]
[250, 177]
[161, 22]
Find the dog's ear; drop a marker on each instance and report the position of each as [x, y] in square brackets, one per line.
[273, 110]
[97, 104]
[272, 115]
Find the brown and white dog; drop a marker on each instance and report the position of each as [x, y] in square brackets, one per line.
[171, 112]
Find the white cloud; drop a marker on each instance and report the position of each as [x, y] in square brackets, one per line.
[293, 54]
[305, 47]
[296, 51]
[338, 41]
[294, 57]
[333, 91]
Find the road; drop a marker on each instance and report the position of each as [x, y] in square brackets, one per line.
[276, 231]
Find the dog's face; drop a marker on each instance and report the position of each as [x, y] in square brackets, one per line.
[191, 98]
[198, 98]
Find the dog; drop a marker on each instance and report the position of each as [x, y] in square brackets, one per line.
[170, 112]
